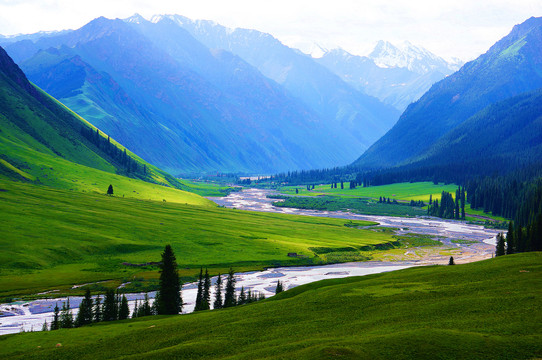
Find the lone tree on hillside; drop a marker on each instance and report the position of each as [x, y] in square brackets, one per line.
[451, 262]
[110, 190]
[168, 297]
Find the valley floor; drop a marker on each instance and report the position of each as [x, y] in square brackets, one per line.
[483, 310]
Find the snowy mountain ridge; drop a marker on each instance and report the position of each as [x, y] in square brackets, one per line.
[412, 57]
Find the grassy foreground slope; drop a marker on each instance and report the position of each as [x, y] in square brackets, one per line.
[484, 310]
[53, 238]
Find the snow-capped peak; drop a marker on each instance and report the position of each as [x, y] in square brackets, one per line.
[406, 55]
[315, 50]
[135, 19]
[156, 18]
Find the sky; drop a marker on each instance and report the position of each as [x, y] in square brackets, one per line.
[462, 29]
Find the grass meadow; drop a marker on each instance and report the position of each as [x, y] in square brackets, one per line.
[54, 238]
[399, 191]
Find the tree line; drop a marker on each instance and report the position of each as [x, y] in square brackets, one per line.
[120, 158]
[168, 299]
[449, 207]
[525, 231]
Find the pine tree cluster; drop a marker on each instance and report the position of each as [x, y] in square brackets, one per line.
[168, 299]
[114, 307]
[119, 157]
[449, 207]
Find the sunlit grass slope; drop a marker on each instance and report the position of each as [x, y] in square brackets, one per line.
[483, 310]
[54, 171]
[399, 191]
[54, 237]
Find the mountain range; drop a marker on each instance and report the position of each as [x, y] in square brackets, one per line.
[331, 98]
[194, 96]
[489, 108]
[396, 75]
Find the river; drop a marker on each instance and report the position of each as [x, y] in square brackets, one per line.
[30, 315]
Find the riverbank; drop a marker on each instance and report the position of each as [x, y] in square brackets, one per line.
[469, 242]
[30, 315]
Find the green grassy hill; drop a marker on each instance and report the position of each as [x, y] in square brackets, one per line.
[54, 238]
[484, 310]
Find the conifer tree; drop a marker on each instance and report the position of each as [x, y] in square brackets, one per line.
[199, 295]
[124, 310]
[500, 245]
[430, 199]
[218, 293]
[510, 241]
[145, 308]
[110, 190]
[45, 326]
[229, 296]
[520, 240]
[249, 296]
[98, 316]
[136, 308]
[242, 297]
[55, 324]
[110, 309]
[206, 295]
[536, 233]
[457, 200]
[84, 316]
[66, 315]
[451, 261]
[279, 287]
[168, 297]
[463, 200]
